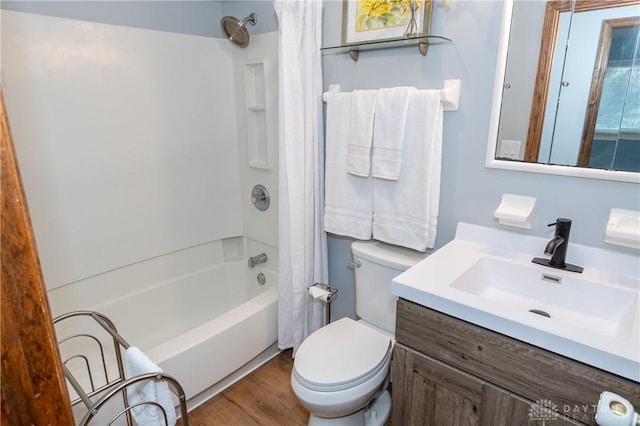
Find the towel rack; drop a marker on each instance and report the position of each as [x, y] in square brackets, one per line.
[98, 376]
[449, 94]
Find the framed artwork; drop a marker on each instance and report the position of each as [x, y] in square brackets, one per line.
[371, 20]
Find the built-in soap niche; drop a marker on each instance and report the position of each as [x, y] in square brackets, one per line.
[255, 96]
[233, 249]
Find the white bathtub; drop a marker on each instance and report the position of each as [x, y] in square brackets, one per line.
[206, 328]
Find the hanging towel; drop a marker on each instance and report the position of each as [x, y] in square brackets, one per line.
[391, 110]
[360, 132]
[348, 207]
[406, 210]
[136, 362]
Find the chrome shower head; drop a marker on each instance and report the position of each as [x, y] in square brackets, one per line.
[236, 31]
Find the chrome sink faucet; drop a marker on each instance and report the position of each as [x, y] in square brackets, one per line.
[557, 248]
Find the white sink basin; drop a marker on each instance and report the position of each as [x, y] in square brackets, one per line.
[569, 299]
[485, 276]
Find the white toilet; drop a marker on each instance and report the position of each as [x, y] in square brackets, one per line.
[340, 372]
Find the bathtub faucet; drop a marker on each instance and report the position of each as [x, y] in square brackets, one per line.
[256, 260]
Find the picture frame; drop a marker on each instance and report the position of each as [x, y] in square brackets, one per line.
[378, 20]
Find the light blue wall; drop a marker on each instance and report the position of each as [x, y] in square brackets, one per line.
[469, 191]
[187, 17]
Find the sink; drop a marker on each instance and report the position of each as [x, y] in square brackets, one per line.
[573, 301]
[485, 276]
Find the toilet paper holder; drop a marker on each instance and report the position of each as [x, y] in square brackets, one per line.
[326, 294]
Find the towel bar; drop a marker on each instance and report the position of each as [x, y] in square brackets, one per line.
[449, 94]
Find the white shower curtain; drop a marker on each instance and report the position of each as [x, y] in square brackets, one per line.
[302, 241]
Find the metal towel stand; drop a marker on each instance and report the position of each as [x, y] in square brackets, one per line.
[88, 350]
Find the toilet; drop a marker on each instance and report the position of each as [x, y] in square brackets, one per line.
[341, 372]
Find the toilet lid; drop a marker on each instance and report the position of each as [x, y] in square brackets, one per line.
[341, 355]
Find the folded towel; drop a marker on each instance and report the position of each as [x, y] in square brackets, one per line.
[360, 132]
[348, 205]
[391, 109]
[136, 362]
[406, 210]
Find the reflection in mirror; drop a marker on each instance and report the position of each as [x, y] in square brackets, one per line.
[611, 137]
[551, 97]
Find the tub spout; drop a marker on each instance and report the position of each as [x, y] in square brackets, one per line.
[256, 260]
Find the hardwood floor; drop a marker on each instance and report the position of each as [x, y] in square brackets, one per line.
[264, 397]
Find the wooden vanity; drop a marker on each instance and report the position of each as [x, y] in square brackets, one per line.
[450, 372]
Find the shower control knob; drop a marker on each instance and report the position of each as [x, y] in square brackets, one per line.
[260, 197]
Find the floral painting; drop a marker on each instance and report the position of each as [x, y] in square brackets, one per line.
[367, 20]
[380, 14]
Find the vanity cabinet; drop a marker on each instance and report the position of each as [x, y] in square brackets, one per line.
[444, 395]
[450, 372]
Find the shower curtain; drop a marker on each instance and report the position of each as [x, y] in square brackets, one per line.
[302, 241]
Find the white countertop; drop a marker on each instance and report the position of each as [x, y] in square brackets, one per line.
[589, 339]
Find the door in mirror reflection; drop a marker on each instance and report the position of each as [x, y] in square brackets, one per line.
[552, 89]
[611, 137]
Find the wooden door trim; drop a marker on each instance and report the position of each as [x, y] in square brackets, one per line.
[33, 386]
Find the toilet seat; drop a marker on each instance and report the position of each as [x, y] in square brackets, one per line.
[341, 355]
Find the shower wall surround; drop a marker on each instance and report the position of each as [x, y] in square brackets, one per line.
[256, 75]
[125, 149]
[132, 147]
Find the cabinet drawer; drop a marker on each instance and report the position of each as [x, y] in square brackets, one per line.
[526, 370]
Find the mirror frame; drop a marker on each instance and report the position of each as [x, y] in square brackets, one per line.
[551, 169]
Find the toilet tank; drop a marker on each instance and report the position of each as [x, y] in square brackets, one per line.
[379, 263]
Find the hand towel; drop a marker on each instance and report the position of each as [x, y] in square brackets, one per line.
[406, 210]
[348, 205]
[136, 362]
[360, 132]
[391, 108]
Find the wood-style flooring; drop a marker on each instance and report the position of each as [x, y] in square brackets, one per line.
[264, 397]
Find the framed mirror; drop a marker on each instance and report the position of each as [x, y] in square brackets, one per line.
[567, 89]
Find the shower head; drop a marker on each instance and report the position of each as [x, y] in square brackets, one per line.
[236, 31]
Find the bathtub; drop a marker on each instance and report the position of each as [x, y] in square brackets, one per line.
[207, 328]
[219, 319]
[208, 357]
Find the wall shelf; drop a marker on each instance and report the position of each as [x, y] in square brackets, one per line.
[354, 49]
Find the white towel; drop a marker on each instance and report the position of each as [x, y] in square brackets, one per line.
[348, 208]
[406, 210]
[391, 110]
[136, 362]
[361, 132]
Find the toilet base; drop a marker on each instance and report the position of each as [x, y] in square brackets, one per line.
[355, 419]
[379, 410]
[375, 414]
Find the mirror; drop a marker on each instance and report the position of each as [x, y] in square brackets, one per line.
[566, 94]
